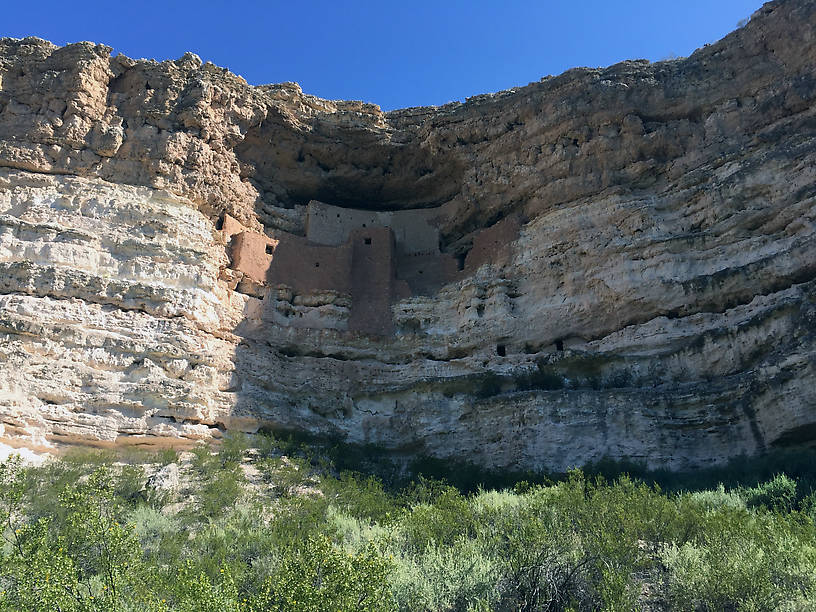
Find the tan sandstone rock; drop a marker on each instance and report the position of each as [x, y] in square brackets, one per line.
[613, 262]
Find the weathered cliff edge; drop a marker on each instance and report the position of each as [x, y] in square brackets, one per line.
[657, 302]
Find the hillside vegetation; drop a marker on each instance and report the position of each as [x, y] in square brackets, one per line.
[272, 525]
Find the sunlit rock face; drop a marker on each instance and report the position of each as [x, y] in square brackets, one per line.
[613, 262]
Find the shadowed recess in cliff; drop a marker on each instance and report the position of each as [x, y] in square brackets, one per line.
[347, 165]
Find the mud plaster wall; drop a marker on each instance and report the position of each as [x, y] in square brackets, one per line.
[413, 229]
[372, 280]
[425, 274]
[493, 244]
[249, 253]
[308, 267]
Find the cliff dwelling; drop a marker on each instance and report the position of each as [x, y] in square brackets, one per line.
[373, 257]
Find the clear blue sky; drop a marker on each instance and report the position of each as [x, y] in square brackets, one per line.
[395, 54]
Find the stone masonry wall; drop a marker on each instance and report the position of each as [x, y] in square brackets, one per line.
[413, 229]
[306, 267]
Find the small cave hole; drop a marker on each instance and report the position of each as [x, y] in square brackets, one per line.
[420, 271]
[367, 240]
[559, 345]
[460, 261]
[270, 249]
[317, 264]
[364, 224]
[338, 215]
[501, 350]
[219, 223]
[480, 310]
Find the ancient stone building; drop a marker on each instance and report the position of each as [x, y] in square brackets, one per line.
[375, 257]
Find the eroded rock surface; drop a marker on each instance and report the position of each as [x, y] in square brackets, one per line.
[623, 260]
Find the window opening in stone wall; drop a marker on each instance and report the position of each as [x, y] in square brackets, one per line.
[270, 249]
[367, 240]
[501, 350]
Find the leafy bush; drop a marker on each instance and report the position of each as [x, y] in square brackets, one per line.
[233, 447]
[318, 576]
[80, 534]
[717, 499]
[361, 497]
[459, 577]
[442, 522]
[745, 561]
[220, 491]
[778, 494]
[89, 560]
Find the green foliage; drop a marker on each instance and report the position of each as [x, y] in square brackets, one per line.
[80, 535]
[285, 474]
[166, 456]
[191, 590]
[86, 561]
[447, 518]
[717, 499]
[320, 577]
[220, 491]
[233, 448]
[457, 577]
[220, 476]
[360, 496]
[161, 537]
[778, 493]
[746, 561]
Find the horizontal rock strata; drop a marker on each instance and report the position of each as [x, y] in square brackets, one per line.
[618, 262]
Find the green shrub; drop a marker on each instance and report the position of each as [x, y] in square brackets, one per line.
[439, 523]
[361, 497]
[746, 561]
[544, 565]
[87, 561]
[462, 576]
[299, 518]
[162, 537]
[204, 461]
[352, 532]
[318, 576]
[220, 491]
[285, 474]
[165, 456]
[779, 494]
[189, 590]
[717, 499]
[129, 481]
[233, 448]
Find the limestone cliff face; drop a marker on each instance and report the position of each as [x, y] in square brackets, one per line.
[636, 253]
